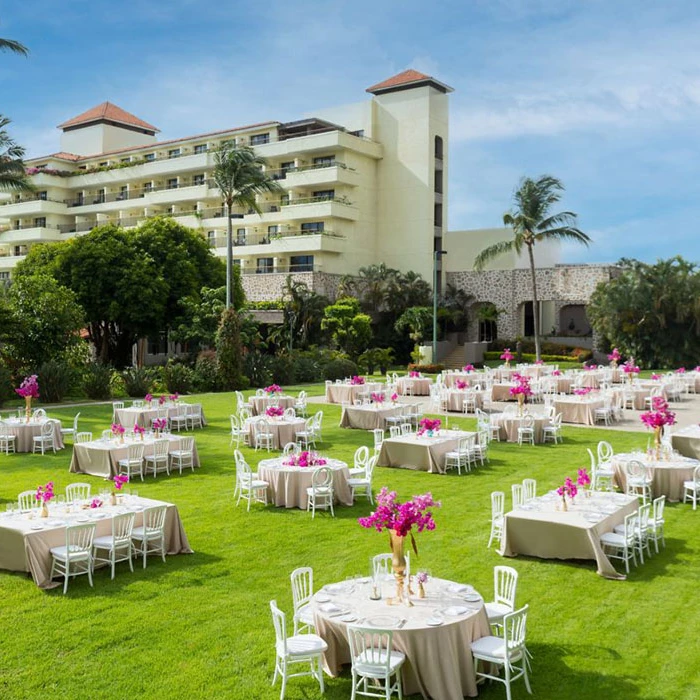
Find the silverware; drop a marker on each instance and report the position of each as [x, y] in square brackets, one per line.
[402, 623]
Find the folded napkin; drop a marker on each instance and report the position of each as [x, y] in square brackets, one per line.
[455, 610]
[329, 608]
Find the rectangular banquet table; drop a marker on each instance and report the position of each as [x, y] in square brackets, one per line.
[687, 441]
[101, 457]
[348, 393]
[667, 473]
[288, 484]
[145, 414]
[540, 530]
[438, 663]
[26, 539]
[369, 416]
[577, 409]
[26, 432]
[414, 386]
[261, 403]
[422, 453]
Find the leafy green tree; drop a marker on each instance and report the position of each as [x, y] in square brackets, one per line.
[239, 175]
[200, 318]
[45, 324]
[229, 351]
[12, 173]
[416, 320]
[349, 328]
[303, 311]
[532, 222]
[651, 312]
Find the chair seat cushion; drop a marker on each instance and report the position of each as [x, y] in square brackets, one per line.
[304, 644]
[613, 538]
[358, 482]
[103, 542]
[490, 646]
[378, 665]
[181, 454]
[63, 553]
[496, 611]
[691, 485]
[320, 490]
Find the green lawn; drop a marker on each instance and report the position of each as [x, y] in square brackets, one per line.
[199, 626]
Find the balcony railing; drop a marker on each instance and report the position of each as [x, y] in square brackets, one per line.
[31, 198]
[280, 270]
[281, 173]
[25, 227]
[133, 193]
[266, 238]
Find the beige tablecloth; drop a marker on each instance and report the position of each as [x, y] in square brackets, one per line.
[348, 393]
[260, 403]
[501, 392]
[563, 384]
[575, 409]
[26, 432]
[687, 441]
[369, 417]
[283, 431]
[418, 386]
[590, 378]
[508, 424]
[421, 453]
[25, 549]
[455, 399]
[102, 458]
[667, 475]
[553, 534]
[471, 378]
[143, 416]
[438, 662]
[288, 484]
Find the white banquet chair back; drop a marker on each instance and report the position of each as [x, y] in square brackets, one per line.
[374, 659]
[158, 461]
[8, 439]
[291, 448]
[691, 488]
[27, 500]
[236, 432]
[505, 585]
[150, 537]
[298, 649]
[381, 565]
[83, 437]
[517, 494]
[183, 456]
[133, 464]
[39, 414]
[78, 491]
[45, 439]
[75, 557]
[395, 431]
[363, 484]
[302, 580]
[118, 545]
[656, 523]
[71, 431]
[320, 493]
[497, 514]
[116, 406]
[289, 413]
[529, 490]
[360, 461]
[378, 436]
[248, 485]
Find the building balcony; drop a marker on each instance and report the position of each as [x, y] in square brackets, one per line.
[327, 141]
[9, 262]
[30, 234]
[32, 207]
[284, 243]
[317, 176]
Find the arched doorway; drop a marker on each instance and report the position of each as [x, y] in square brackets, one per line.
[573, 320]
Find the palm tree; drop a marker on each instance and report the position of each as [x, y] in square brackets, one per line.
[532, 223]
[12, 174]
[239, 175]
[13, 46]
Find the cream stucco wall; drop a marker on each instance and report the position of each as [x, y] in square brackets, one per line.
[101, 138]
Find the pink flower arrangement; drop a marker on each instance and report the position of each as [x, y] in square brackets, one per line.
[175, 397]
[429, 425]
[274, 411]
[680, 370]
[697, 369]
[394, 397]
[522, 385]
[117, 429]
[569, 488]
[461, 384]
[45, 493]
[305, 459]
[614, 356]
[273, 389]
[556, 373]
[120, 480]
[590, 367]
[583, 391]
[468, 368]
[659, 415]
[507, 355]
[422, 577]
[402, 518]
[583, 479]
[414, 374]
[629, 368]
[539, 362]
[138, 430]
[377, 397]
[29, 387]
[357, 381]
[655, 377]
[148, 398]
[160, 424]
[96, 503]
[161, 400]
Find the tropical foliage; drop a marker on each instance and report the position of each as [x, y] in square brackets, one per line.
[349, 328]
[12, 174]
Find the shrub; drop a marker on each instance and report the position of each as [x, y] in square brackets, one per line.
[307, 370]
[283, 371]
[138, 381]
[55, 380]
[178, 378]
[258, 368]
[206, 371]
[229, 350]
[340, 369]
[530, 357]
[97, 381]
[426, 369]
[6, 389]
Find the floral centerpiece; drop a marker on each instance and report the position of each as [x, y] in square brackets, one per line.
[161, 400]
[43, 495]
[507, 357]
[583, 480]
[273, 389]
[139, 430]
[614, 357]
[96, 503]
[29, 389]
[414, 374]
[118, 431]
[174, 398]
[160, 424]
[429, 426]
[655, 377]
[521, 390]
[377, 397]
[401, 519]
[274, 411]
[539, 362]
[657, 418]
[590, 367]
[583, 390]
[568, 488]
[468, 368]
[148, 398]
[305, 459]
[680, 370]
[556, 373]
[630, 369]
[356, 380]
[394, 397]
[461, 384]
[120, 480]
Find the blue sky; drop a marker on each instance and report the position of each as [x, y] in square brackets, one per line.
[604, 95]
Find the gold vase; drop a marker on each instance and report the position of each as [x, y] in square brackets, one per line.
[44, 511]
[521, 401]
[113, 499]
[398, 565]
[564, 504]
[421, 590]
[28, 407]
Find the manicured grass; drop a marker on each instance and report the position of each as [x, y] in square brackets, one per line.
[199, 626]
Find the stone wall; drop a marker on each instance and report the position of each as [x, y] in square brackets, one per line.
[270, 286]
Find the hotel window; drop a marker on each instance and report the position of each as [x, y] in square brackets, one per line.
[273, 230]
[172, 183]
[40, 221]
[324, 195]
[301, 263]
[240, 236]
[104, 164]
[148, 187]
[438, 147]
[125, 160]
[123, 193]
[286, 167]
[198, 179]
[201, 148]
[259, 139]
[237, 262]
[174, 153]
[312, 227]
[438, 181]
[324, 161]
[149, 157]
[264, 265]
[438, 215]
[42, 195]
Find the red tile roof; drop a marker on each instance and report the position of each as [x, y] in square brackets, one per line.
[62, 155]
[407, 78]
[110, 112]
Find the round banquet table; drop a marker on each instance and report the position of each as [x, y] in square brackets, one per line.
[288, 484]
[470, 378]
[667, 474]
[26, 432]
[260, 403]
[455, 399]
[508, 424]
[438, 663]
[283, 431]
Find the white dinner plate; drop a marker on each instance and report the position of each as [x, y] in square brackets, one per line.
[456, 610]
[322, 598]
[383, 621]
[460, 588]
[434, 621]
[348, 618]
[334, 588]
[83, 519]
[329, 608]
[37, 526]
[472, 597]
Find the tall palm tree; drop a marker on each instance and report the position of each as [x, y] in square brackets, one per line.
[13, 46]
[532, 223]
[239, 175]
[12, 174]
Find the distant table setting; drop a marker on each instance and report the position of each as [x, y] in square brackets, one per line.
[347, 393]
[369, 416]
[667, 473]
[283, 430]
[143, 415]
[578, 409]
[509, 422]
[414, 386]
[261, 403]
[420, 452]
[26, 432]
